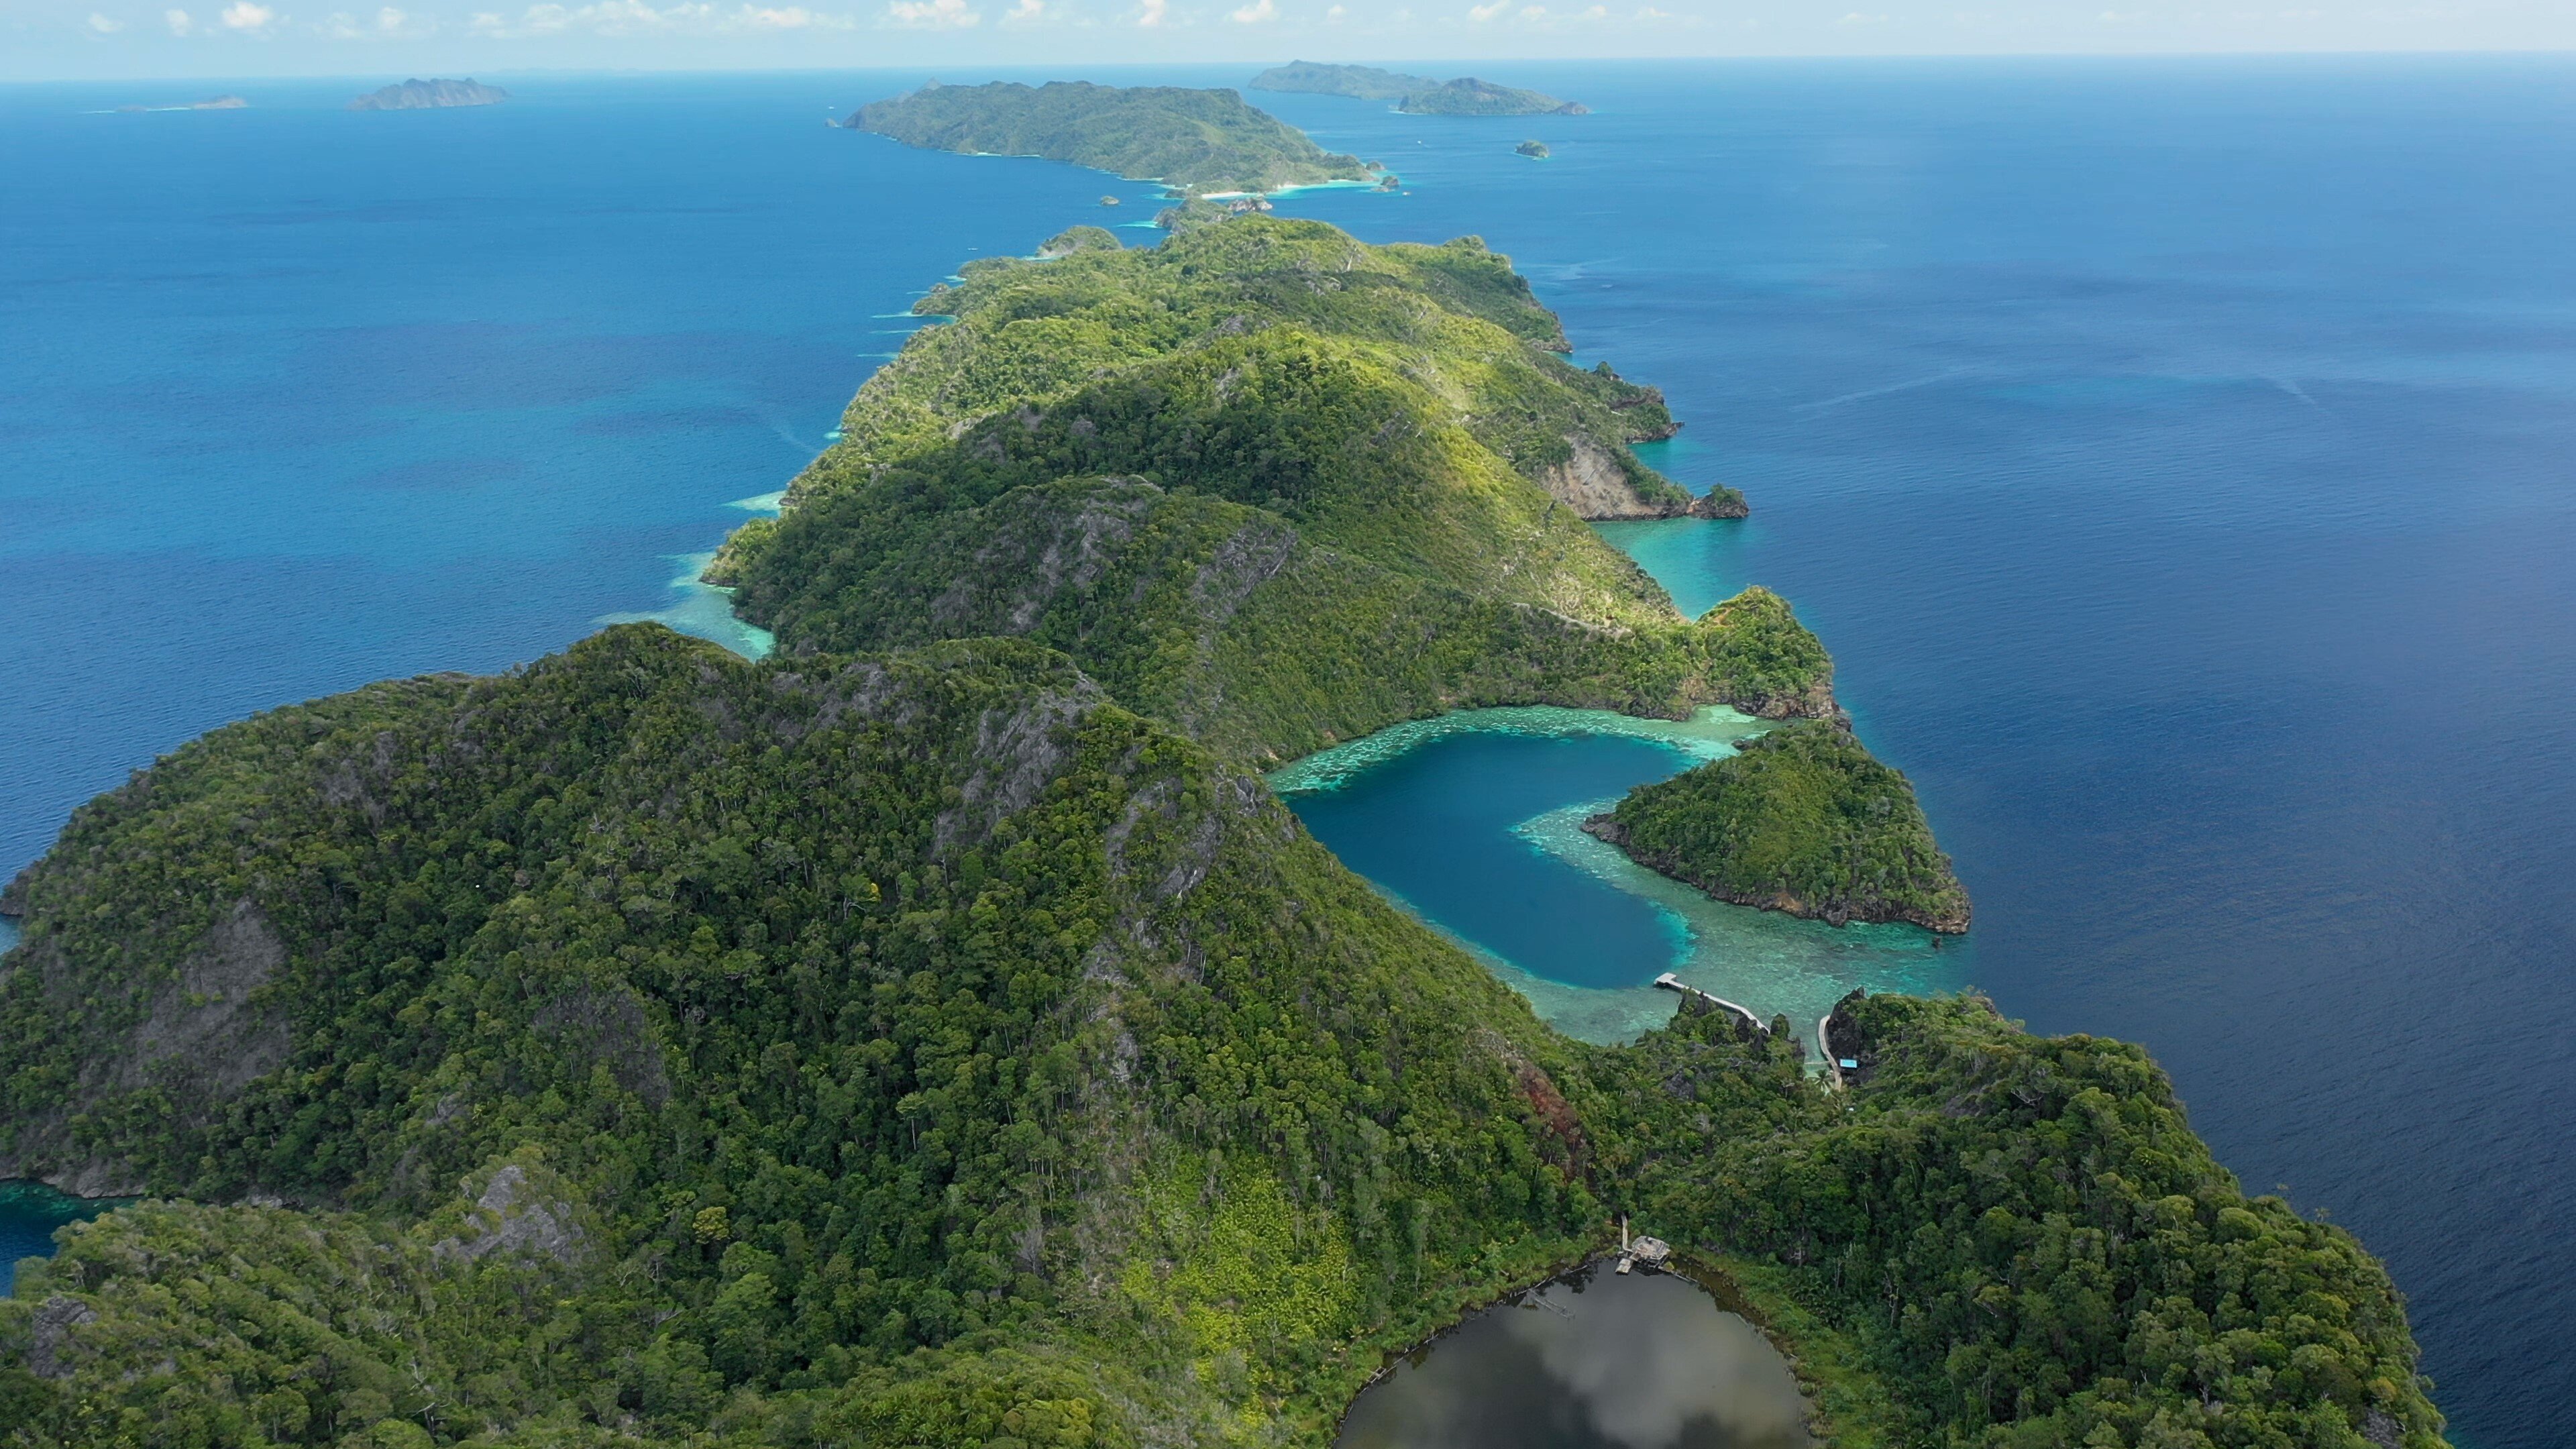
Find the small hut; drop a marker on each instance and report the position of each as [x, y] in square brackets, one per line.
[1651, 1252]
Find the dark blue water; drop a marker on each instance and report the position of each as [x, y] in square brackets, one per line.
[2175, 455]
[2180, 460]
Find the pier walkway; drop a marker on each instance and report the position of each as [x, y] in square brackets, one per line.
[1670, 982]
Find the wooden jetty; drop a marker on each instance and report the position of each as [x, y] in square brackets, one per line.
[1641, 1250]
[1670, 982]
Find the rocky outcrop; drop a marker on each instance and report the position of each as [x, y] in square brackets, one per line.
[514, 1216]
[204, 1029]
[205, 1033]
[51, 1352]
[1600, 487]
[1592, 482]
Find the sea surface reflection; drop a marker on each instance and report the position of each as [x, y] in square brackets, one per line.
[1591, 1361]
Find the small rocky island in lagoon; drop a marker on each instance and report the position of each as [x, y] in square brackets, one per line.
[1800, 820]
[430, 95]
[1535, 150]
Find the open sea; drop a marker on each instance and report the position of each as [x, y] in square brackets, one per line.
[2179, 458]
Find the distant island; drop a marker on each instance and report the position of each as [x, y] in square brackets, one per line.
[1468, 96]
[1195, 140]
[1535, 150]
[1360, 82]
[1416, 95]
[430, 95]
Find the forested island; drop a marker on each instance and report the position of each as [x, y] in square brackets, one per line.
[1415, 95]
[1468, 96]
[1196, 140]
[430, 95]
[1360, 82]
[937, 1034]
[1535, 150]
[1800, 820]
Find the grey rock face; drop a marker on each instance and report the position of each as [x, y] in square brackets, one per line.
[517, 1220]
[49, 1351]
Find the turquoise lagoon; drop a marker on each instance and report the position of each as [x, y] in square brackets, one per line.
[1472, 822]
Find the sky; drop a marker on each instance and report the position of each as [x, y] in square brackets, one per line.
[109, 39]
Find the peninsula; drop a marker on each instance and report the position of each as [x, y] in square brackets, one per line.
[1331, 487]
[937, 1035]
[1194, 140]
[428, 95]
[1415, 95]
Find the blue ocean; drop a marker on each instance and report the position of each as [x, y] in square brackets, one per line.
[2179, 458]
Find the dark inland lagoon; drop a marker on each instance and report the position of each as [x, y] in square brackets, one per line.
[1593, 1360]
[2178, 456]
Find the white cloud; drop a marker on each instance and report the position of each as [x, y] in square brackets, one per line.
[1533, 12]
[633, 17]
[933, 14]
[1335, 14]
[1597, 12]
[1855, 20]
[1482, 13]
[1149, 15]
[1256, 13]
[1649, 12]
[101, 25]
[248, 16]
[178, 21]
[1027, 12]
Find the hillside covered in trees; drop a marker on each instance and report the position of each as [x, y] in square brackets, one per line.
[937, 1034]
[1269, 484]
[652, 1047]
